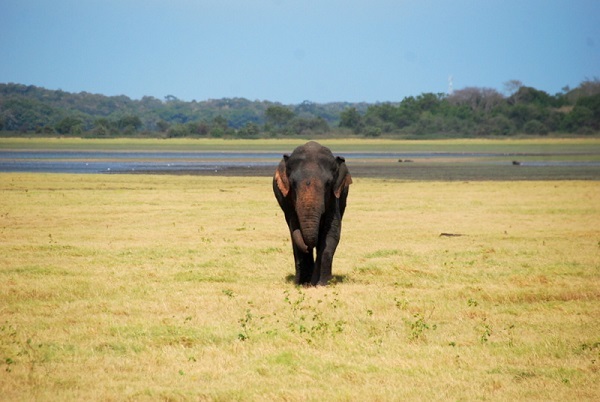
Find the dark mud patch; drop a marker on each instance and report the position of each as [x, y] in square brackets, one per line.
[423, 172]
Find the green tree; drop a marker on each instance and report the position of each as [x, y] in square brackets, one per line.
[199, 128]
[533, 96]
[406, 114]
[103, 127]
[162, 125]
[219, 127]
[498, 125]
[250, 130]
[178, 131]
[301, 126]
[129, 123]
[69, 125]
[372, 131]
[522, 113]
[591, 104]
[351, 118]
[430, 101]
[278, 116]
[585, 116]
[535, 127]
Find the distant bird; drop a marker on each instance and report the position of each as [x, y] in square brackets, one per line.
[516, 163]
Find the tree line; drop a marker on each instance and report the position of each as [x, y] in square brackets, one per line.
[479, 112]
[468, 112]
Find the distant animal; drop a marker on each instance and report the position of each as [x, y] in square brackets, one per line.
[516, 163]
[311, 187]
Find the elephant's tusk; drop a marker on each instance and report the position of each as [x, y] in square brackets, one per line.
[299, 241]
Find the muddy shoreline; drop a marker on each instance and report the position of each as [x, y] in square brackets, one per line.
[420, 172]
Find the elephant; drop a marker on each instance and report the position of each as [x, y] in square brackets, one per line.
[311, 187]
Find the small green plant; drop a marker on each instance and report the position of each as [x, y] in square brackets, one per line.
[309, 320]
[14, 351]
[485, 332]
[401, 304]
[295, 304]
[229, 293]
[8, 335]
[418, 326]
[245, 322]
[335, 303]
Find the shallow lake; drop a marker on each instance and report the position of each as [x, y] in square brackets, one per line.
[368, 164]
[120, 162]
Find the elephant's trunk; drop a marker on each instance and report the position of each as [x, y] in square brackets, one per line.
[299, 241]
[310, 206]
[310, 230]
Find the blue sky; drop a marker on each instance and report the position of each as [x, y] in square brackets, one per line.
[290, 51]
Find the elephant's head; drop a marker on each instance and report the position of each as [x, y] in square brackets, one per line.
[311, 178]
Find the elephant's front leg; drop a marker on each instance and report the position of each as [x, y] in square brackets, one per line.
[326, 250]
[303, 259]
[305, 265]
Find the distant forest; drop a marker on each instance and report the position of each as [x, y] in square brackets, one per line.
[469, 112]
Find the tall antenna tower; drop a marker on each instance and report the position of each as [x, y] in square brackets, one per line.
[450, 85]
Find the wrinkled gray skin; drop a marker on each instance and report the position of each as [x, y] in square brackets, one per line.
[311, 186]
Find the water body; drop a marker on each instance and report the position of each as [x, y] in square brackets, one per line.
[126, 162]
[121, 162]
[416, 166]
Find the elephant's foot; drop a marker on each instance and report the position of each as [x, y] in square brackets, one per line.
[303, 277]
[323, 281]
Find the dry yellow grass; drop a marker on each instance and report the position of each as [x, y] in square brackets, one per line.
[504, 145]
[161, 287]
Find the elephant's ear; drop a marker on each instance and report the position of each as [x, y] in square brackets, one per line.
[281, 178]
[344, 179]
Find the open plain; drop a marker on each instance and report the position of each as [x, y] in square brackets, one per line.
[179, 287]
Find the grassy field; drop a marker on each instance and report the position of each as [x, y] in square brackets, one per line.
[532, 145]
[178, 288]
